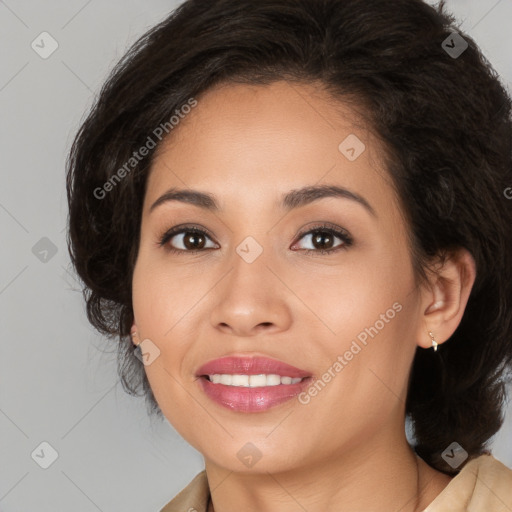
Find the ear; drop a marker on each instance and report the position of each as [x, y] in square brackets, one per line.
[444, 299]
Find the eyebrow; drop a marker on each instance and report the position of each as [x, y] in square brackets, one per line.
[292, 199]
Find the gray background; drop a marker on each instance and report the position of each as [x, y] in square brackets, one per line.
[58, 380]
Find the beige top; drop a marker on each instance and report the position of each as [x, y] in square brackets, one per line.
[483, 485]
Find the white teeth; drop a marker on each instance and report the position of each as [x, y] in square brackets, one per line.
[252, 381]
[226, 379]
[260, 380]
[240, 380]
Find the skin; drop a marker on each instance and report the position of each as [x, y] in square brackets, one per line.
[248, 145]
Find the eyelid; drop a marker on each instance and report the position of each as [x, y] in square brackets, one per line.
[337, 231]
[327, 227]
[168, 234]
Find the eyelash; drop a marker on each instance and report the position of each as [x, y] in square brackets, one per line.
[321, 228]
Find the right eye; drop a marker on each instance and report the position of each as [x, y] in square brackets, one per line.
[187, 239]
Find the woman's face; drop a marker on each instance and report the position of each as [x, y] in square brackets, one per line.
[350, 319]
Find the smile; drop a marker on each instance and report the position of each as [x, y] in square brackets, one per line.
[252, 381]
[250, 384]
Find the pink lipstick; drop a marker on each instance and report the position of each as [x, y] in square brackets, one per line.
[251, 384]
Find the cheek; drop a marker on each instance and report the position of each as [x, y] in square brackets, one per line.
[370, 309]
[158, 308]
[354, 294]
[160, 297]
[163, 302]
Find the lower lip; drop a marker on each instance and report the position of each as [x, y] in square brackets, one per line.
[245, 399]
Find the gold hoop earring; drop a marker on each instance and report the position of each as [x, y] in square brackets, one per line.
[434, 343]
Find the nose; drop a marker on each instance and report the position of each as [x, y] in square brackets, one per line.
[251, 299]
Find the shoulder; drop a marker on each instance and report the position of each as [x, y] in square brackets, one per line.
[193, 498]
[483, 485]
[492, 480]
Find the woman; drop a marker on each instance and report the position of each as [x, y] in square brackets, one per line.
[297, 212]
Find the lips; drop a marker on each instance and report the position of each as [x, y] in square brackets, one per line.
[250, 366]
[251, 399]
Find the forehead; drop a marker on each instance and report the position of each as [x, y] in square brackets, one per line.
[251, 143]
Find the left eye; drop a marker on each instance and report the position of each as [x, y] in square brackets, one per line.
[322, 240]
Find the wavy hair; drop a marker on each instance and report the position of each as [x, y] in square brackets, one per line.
[444, 121]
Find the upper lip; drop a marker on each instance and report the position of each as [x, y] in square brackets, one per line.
[250, 365]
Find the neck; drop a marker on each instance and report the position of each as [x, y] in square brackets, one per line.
[363, 479]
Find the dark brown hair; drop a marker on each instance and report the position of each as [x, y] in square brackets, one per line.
[443, 119]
